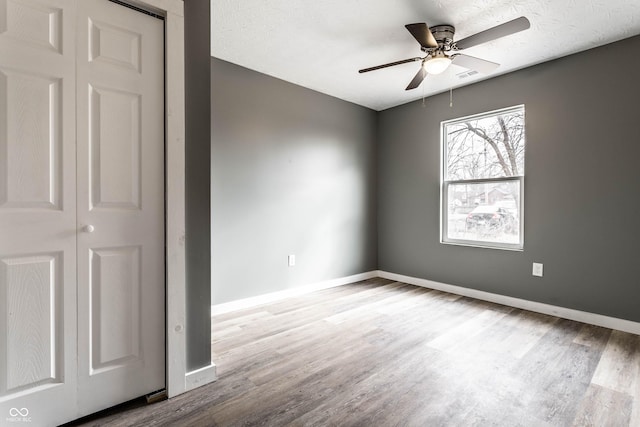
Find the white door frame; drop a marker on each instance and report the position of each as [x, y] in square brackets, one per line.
[179, 380]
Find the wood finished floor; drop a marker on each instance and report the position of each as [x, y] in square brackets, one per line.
[382, 353]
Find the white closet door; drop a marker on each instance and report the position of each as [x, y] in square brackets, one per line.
[120, 155]
[81, 144]
[37, 212]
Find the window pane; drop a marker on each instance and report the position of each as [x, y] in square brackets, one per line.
[485, 147]
[484, 212]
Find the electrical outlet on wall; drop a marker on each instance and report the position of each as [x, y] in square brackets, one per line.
[291, 260]
[537, 269]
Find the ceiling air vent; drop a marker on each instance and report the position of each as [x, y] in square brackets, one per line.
[465, 74]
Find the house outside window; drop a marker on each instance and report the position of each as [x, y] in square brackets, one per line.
[483, 179]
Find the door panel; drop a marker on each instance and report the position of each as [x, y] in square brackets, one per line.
[31, 290]
[115, 282]
[30, 148]
[114, 45]
[37, 210]
[121, 195]
[114, 123]
[32, 22]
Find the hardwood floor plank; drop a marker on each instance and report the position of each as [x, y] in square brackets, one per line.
[558, 373]
[528, 329]
[618, 369]
[329, 295]
[468, 329]
[635, 413]
[421, 295]
[593, 336]
[604, 407]
[361, 312]
[238, 322]
[310, 357]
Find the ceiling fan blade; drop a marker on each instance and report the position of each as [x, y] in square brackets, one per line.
[502, 30]
[419, 77]
[422, 34]
[390, 64]
[473, 63]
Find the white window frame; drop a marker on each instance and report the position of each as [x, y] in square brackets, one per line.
[444, 187]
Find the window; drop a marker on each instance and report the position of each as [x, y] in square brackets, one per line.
[482, 179]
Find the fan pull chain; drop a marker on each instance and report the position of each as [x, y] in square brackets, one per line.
[424, 104]
[450, 97]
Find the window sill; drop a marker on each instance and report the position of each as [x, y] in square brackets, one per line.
[469, 244]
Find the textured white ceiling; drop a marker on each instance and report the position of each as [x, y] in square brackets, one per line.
[322, 44]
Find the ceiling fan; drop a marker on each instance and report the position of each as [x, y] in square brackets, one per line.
[437, 42]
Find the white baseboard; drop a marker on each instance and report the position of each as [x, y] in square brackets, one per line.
[200, 377]
[288, 293]
[538, 307]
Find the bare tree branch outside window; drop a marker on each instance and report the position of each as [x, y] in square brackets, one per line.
[490, 147]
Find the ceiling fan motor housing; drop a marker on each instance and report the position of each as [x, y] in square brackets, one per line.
[443, 35]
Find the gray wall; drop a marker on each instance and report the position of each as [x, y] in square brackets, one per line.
[198, 213]
[582, 185]
[293, 172]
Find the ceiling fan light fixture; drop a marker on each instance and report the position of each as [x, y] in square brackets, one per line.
[437, 63]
